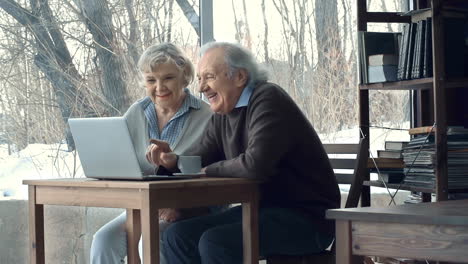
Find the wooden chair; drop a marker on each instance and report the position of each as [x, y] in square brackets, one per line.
[355, 179]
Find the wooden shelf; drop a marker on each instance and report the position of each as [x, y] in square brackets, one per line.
[429, 107]
[398, 17]
[421, 16]
[408, 188]
[416, 84]
[386, 17]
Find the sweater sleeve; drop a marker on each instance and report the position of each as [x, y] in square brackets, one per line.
[270, 118]
[138, 129]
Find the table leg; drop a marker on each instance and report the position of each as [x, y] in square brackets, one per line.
[133, 227]
[250, 229]
[36, 229]
[344, 251]
[150, 228]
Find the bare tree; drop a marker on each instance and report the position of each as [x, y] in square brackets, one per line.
[190, 14]
[52, 54]
[98, 19]
[326, 24]
[295, 18]
[248, 37]
[168, 9]
[95, 78]
[134, 39]
[265, 40]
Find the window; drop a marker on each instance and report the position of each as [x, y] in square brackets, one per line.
[85, 63]
[64, 59]
[310, 49]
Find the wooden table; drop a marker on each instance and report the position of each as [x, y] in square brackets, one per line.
[432, 231]
[142, 199]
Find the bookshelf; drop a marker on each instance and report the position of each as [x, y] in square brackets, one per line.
[435, 96]
[423, 83]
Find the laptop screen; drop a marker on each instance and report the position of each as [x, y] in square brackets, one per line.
[105, 148]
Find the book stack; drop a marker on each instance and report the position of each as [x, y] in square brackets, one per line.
[378, 55]
[420, 158]
[382, 68]
[393, 151]
[388, 163]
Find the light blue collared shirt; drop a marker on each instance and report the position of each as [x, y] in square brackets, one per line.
[245, 96]
[173, 128]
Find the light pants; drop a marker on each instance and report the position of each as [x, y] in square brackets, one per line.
[109, 244]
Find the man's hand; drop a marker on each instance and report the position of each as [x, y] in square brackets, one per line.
[159, 153]
[172, 215]
[169, 214]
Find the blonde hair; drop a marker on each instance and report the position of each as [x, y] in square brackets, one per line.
[166, 52]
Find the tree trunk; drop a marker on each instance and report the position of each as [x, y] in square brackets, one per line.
[265, 40]
[190, 14]
[168, 15]
[134, 39]
[248, 38]
[99, 22]
[327, 28]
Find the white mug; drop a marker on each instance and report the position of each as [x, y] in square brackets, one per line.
[189, 164]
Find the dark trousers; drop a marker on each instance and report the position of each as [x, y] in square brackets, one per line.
[217, 238]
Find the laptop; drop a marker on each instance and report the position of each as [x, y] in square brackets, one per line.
[106, 150]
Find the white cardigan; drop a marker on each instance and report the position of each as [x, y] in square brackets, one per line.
[191, 133]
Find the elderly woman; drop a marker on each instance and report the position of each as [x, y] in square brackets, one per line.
[170, 113]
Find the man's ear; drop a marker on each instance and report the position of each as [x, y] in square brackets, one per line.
[241, 77]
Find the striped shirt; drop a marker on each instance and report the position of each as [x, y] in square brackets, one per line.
[173, 128]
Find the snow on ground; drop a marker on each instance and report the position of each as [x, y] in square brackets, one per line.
[40, 161]
[36, 161]
[378, 136]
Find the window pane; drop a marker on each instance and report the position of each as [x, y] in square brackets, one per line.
[387, 6]
[61, 59]
[309, 48]
[78, 59]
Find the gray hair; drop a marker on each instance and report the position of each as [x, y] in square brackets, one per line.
[158, 54]
[238, 57]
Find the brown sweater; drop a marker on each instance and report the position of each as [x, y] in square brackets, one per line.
[272, 140]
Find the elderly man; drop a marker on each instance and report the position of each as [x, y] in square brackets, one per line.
[258, 132]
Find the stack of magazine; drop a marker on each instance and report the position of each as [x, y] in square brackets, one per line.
[420, 159]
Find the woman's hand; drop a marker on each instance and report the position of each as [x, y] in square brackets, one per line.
[172, 215]
[159, 153]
